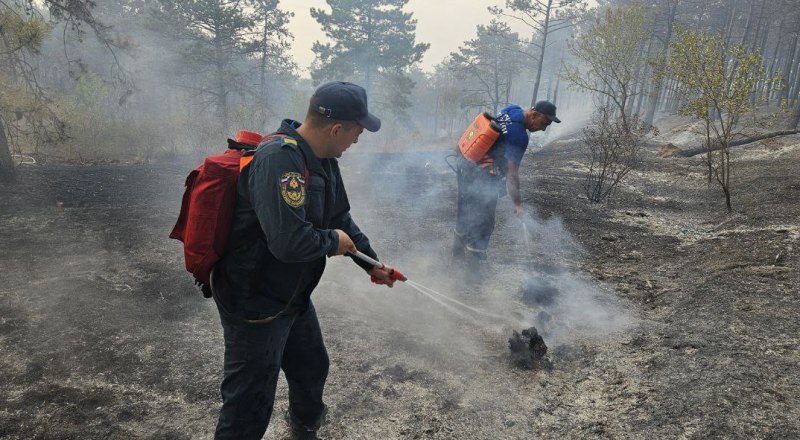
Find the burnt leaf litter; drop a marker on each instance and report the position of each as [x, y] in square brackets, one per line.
[104, 336]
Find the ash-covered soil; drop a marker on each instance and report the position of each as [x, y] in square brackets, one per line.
[664, 316]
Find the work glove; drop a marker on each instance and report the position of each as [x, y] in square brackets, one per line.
[386, 275]
[395, 274]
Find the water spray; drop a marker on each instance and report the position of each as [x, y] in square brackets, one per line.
[526, 234]
[438, 297]
[527, 348]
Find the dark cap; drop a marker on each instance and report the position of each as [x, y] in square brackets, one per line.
[346, 102]
[548, 109]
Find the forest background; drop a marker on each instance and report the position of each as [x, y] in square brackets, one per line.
[153, 80]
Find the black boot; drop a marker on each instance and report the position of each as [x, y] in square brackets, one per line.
[299, 431]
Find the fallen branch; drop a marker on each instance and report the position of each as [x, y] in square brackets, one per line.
[699, 150]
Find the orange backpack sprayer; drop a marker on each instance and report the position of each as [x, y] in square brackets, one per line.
[479, 137]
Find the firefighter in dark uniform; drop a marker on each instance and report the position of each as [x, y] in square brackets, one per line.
[481, 184]
[291, 214]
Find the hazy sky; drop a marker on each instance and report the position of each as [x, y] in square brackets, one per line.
[445, 24]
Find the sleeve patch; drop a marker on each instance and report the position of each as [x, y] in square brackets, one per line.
[293, 189]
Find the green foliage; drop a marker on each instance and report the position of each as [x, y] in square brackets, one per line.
[610, 49]
[92, 132]
[21, 35]
[21, 32]
[95, 134]
[273, 37]
[218, 37]
[28, 116]
[438, 100]
[487, 66]
[719, 80]
[214, 33]
[373, 46]
[25, 113]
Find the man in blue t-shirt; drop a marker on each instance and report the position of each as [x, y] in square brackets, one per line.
[480, 184]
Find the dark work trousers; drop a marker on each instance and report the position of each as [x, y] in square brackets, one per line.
[478, 192]
[254, 355]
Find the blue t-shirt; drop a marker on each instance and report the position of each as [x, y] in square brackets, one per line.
[514, 139]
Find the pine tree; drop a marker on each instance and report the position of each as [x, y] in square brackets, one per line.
[544, 18]
[373, 45]
[25, 106]
[487, 66]
[218, 35]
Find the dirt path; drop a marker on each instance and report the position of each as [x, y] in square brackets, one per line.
[671, 318]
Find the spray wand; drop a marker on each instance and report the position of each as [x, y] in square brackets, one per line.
[394, 273]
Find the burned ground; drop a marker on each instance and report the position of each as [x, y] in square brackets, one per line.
[693, 311]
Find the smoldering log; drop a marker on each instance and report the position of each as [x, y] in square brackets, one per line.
[528, 349]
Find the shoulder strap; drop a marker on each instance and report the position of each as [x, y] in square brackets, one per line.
[214, 284]
[247, 156]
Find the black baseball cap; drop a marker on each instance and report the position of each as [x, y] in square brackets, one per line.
[346, 102]
[548, 109]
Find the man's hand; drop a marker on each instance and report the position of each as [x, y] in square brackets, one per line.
[519, 210]
[345, 243]
[381, 277]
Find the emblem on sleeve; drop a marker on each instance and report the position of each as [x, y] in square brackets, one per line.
[293, 189]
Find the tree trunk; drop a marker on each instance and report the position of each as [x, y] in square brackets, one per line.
[747, 29]
[796, 87]
[436, 116]
[675, 98]
[545, 30]
[795, 121]
[509, 82]
[641, 79]
[262, 86]
[787, 70]
[762, 50]
[727, 192]
[661, 99]
[689, 152]
[709, 158]
[550, 86]
[368, 67]
[769, 84]
[759, 27]
[496, 97]
[7, 170]
[555, 91]
[221, 93]
[747, 26]
[729, 27]
[659, 83]
[726, 180]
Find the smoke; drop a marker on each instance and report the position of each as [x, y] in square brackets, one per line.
[574, 115]
[405, 203]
